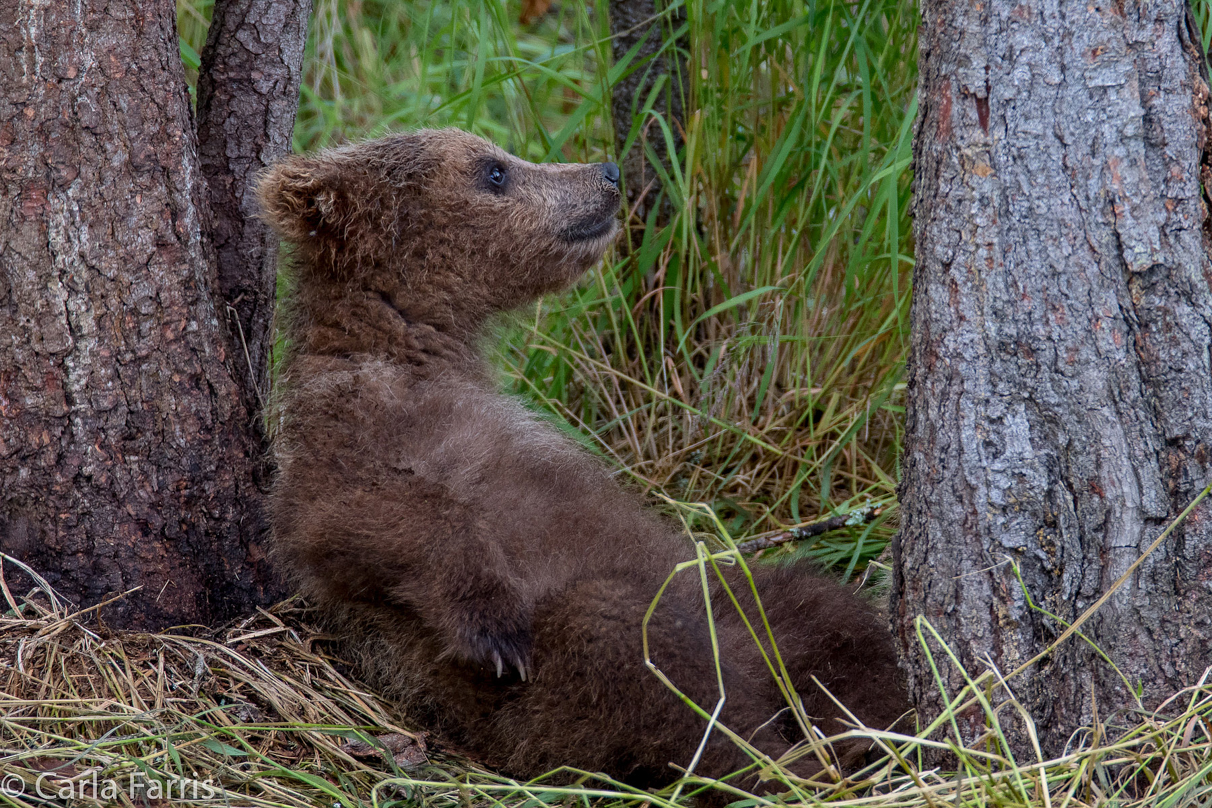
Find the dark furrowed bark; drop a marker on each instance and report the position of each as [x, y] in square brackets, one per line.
[643, 22]
[248, 92]
[1060, 386]
[126, 455]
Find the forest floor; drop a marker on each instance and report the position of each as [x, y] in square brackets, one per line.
[258, 714]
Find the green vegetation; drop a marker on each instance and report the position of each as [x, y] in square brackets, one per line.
[748, 352]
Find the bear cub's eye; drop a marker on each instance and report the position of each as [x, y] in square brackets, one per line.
[496, 176]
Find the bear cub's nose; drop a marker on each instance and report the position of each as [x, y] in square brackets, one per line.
[611, 172]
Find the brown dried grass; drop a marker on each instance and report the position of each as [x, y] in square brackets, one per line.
[255, 714]
[255, 710]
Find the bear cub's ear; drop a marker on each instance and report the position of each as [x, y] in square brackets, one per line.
[301, 198]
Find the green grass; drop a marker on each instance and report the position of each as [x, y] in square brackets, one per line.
[748, 352]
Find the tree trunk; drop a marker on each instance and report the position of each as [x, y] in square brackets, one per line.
[1060, 391]
[127, 449]
[248, 92]
[646, 24]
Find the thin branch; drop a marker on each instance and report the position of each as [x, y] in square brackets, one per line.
[859, 517]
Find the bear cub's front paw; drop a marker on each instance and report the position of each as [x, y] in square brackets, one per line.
[494, 631]
[499, 646]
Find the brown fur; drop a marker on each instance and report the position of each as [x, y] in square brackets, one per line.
[450, 532]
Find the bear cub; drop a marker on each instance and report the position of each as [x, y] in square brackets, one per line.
[482, 568]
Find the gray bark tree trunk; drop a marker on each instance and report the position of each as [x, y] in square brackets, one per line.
[645, 23]
[128, 442]
[248, 92]
[1060, 388]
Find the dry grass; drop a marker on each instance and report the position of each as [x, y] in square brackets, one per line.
[255, 711]
[257, 715]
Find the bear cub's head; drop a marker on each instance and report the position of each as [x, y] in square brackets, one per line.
[441, 212]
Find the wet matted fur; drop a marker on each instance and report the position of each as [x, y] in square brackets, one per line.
[489, 574]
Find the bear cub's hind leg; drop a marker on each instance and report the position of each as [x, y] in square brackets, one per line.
[594, 705]
[825, 634]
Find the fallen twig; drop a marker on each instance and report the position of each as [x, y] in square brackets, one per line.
[861, 516]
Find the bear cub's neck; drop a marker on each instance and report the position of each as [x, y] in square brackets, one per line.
[376, 314]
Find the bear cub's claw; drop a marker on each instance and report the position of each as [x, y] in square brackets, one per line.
[502, 649]
[516, 662]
